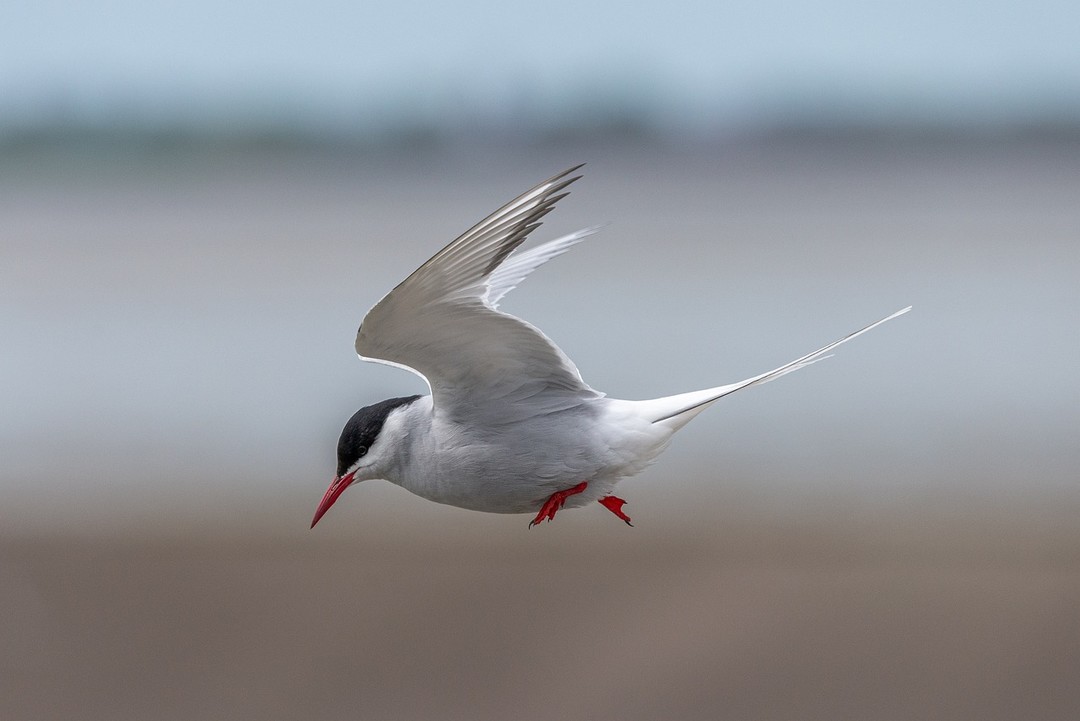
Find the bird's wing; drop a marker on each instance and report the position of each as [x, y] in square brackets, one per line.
[441, 321]
[510, 274]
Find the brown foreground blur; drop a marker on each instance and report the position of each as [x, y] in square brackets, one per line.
[871, 618]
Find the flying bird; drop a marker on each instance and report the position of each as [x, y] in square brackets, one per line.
[509, 425]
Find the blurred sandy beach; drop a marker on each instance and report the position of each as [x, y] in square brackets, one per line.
[812, 621]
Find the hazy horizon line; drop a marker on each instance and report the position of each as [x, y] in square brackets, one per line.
[269, 134]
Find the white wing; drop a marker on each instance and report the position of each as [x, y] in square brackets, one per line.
[441, 321]
[510, 274]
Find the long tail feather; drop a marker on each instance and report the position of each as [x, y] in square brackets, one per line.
[678, 410]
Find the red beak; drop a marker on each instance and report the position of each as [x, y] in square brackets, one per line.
[336, 489]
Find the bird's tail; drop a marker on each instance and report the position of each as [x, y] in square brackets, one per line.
[676, 411]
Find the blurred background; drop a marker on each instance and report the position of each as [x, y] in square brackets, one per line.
[198, 203]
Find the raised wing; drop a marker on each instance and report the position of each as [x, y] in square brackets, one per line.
[441, 321]
[508, 275]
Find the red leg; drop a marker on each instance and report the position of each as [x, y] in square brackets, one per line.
[552, 505]
[615, 505]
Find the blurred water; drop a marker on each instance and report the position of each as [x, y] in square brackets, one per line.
[177, 336]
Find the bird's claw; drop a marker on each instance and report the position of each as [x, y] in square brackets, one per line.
[555, 502]
[615, 505]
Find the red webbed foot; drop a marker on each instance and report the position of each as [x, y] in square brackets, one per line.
[552, 505]
[615, 505]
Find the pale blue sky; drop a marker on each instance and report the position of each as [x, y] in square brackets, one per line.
[343, 61]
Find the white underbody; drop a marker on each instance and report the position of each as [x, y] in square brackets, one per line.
[516, 467]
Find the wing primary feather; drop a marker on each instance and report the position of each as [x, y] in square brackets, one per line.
[501, 214]
[477, 252]
[508, 248]
[519, 265]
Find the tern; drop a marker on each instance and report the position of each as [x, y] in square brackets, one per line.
[509, 425]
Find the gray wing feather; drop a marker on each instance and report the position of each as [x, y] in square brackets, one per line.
[441, 322]
[463, 265]
[510, 274]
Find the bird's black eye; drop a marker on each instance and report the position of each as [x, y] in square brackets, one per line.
[362, 451]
